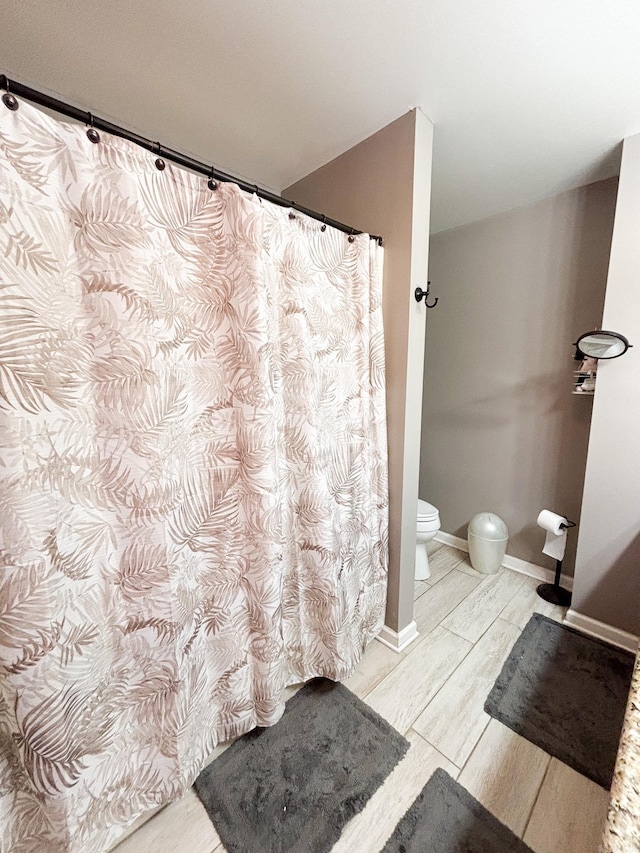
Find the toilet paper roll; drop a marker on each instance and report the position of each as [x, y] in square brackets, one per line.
[556, 539]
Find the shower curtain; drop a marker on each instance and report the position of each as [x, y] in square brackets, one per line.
[193, 495]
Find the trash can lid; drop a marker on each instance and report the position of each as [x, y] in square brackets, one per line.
[487, 525]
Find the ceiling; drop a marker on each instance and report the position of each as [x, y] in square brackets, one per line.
[528, 97]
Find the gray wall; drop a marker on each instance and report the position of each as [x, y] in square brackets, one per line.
[501, 430]
[607, 582]
[383, 186]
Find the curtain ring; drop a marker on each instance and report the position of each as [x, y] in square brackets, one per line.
[160, 164]
[212, 183]
[351, 237]
[292, 215]
[9, 100]
[92, 133]
[323, 227]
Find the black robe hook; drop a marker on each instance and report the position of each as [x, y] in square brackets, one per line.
[419, 293]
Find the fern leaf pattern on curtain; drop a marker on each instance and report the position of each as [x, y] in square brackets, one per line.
[193, 493]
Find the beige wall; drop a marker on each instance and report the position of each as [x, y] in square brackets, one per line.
[383, 186]
[607, 581]
[501, 430]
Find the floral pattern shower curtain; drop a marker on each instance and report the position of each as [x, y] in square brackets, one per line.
[193, 498]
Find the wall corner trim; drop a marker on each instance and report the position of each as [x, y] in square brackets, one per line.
[514, 563]
[602, 631]
[398, 641]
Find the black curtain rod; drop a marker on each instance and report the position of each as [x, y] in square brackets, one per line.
[44, 100]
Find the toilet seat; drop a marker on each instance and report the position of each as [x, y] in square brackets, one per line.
[426, 511]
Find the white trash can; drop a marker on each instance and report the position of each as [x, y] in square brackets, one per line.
[487, 535]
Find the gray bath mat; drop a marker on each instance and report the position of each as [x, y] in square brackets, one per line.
[445, 818]
[292, 787]
[566, 693]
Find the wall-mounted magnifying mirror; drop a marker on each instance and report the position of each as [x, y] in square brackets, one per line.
[601, 344]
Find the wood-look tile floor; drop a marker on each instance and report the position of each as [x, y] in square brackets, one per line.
[434, 694]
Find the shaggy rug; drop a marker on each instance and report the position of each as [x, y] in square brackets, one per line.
[567, 693]
[445, 818]
[292, 787]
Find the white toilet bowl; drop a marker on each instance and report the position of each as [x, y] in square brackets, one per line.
[428, 526]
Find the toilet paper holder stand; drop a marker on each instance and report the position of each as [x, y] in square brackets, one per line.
[553, 592]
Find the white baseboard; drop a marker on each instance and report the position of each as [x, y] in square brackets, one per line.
[454, 541]
[398, 641]
[537, 572]
[509, 562]
[602, 631]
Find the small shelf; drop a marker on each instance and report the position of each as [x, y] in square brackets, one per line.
[580, 380]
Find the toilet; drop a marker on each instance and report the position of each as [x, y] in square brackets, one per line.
[428, 526]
